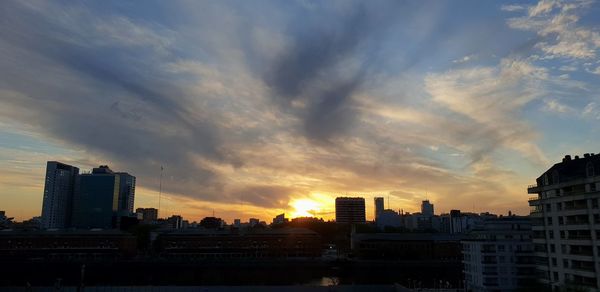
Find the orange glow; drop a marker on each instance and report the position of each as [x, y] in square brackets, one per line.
[304, 208]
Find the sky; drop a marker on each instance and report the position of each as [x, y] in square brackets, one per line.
[256, 108]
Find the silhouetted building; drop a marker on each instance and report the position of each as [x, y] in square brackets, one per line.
[76, 246]
[379, 207]
[350, 210]
[149, 215]
[196, 245]
[175, 222]
[59, 188]
[498, 256]
[253, 222]
[427, 208]
[408, 246]
[97, 199]
[279, 219]
[389, 218]
[565, 216]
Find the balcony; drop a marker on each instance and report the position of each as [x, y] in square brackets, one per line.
[533, 189]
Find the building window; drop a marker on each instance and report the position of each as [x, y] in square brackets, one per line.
[555, 177]
[589, 169]
[559, 206]
[555, 276]
[548, 207]
[565, 263]
[552, 248]
[561, 220]
[562, 234]
[549, 220]
[550, 234]
[554, 263]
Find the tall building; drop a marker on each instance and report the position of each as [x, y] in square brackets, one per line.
[350, 210]
[59, 187]
[96, 201]
[498, 256]
[427, 208]
[126, 192]
[379, 207]
[566, 222]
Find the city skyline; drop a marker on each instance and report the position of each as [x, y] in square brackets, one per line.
[261, 108]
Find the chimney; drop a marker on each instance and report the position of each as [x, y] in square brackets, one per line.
[567, 158]
[576, 157]
[586, 155]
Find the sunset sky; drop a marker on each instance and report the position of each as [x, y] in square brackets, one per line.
[255, 108]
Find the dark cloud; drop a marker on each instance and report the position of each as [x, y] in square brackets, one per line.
[316, 69]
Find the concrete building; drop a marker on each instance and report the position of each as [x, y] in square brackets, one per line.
[566, 222]
[350, 210]
[96, 200]
[498, 256]
[379, 207]
[59, 188]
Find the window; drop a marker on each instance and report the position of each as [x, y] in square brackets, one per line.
[559, 206]
[554, 262]
[589, 169]
[549, 220]
[548, 207]
[565, 263]
[552, 248]
[562, 234]
[560, 220]
[550, 234]
[555, 276]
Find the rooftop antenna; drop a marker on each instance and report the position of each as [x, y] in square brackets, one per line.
[160, 189]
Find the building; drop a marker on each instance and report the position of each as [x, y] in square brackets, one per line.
[379, 207]
[388, 218]
[72, 245]
[350, 210]
[174, 222]
[499, 255]
[96, 200]
[197, 245]
[280, 219]
[566, 222]
[149, 215]
[59, 188]
[427, 208]
[126, 192]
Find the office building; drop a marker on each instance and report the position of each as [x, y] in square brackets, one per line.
[379, 207]
[427, 208]
[59, 188]
[498, 256]
[350, 210]
[97, 199]
[149, 215]
[126, 192]
[566, 223]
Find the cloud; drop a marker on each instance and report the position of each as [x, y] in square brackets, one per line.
[552, 105]
[512, 8]
[556, 23]
[492, 97]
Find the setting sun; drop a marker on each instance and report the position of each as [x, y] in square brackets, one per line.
[304, 208]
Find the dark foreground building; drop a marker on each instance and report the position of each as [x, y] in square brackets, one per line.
[66, 246]
[191, 245]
